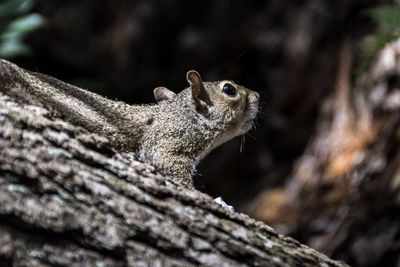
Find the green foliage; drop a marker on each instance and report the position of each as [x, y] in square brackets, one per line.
[387, 18]
[15, 23]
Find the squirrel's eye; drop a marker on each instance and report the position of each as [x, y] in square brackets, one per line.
[229, 89]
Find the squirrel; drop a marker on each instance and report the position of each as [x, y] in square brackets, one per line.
[173, 134]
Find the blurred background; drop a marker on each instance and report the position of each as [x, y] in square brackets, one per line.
[300, 168]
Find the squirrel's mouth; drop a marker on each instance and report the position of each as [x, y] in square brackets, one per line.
[250, 113]
[247, 125]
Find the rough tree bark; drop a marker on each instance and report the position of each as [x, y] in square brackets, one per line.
[66, 199]
[344, 195]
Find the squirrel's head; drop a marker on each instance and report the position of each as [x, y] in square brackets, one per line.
[230, 106]
[224, 102]
[197, 120]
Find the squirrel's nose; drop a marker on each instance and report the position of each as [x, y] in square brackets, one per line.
[255, 95]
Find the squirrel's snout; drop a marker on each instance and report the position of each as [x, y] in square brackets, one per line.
[252, 105]
[254, 97]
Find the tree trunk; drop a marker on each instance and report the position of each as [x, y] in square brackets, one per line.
[68, 200]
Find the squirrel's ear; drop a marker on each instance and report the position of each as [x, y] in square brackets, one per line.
[163, 94]
[198, 90]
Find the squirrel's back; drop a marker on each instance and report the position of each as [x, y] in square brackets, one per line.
[173, 135]
[80, 107]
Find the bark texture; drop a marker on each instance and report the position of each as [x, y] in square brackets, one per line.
[66, 199]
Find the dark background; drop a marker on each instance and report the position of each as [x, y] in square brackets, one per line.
[286, 50]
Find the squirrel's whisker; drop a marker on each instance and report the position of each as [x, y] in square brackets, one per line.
[242, 142]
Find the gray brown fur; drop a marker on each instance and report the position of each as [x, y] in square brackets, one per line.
[173, 135]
